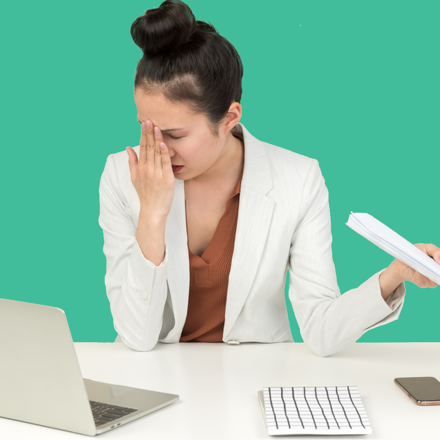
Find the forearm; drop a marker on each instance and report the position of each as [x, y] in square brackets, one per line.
[150, 236]
[389, 281]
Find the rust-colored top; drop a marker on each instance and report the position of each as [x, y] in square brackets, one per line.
[209, 275]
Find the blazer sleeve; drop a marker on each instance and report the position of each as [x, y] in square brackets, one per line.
[136, 288]
[329, 321]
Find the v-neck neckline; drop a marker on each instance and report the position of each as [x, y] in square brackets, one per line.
[215, 247]
[210, 256]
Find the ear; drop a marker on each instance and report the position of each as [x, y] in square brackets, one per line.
[233, 117]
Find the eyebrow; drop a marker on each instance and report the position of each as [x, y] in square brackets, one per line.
[166, 131]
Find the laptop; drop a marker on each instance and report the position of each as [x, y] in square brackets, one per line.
[41, 380]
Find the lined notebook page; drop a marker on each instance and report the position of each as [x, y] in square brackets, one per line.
[314, 410]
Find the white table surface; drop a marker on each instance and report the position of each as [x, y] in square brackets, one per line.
[218, 383]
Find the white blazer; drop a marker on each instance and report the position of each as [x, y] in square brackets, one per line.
[283, 223]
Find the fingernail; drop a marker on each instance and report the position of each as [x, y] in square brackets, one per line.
[143, 125]
[148, 125]
[438, 259]
[162, 146]
[156, 130]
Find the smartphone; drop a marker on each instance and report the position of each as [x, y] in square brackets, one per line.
[421, 390]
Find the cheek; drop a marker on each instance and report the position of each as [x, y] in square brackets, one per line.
[192, 153]
[196, 151]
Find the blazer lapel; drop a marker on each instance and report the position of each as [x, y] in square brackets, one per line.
[254, 218]
[176, 242]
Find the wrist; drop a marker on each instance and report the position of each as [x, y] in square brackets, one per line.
[389, 280]
[394, 272]
[153, 220]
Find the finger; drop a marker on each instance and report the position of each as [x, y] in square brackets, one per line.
[157, 151]
[423, 281]
[146, 144]
[167, 168]
[158, 138]
[433, 251]
[428, 282]
[132, 162]
[148, 147]
[143, 145]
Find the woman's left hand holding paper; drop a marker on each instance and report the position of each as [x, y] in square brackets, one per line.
[407, 273]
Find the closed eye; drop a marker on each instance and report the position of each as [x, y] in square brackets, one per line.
[172, 137]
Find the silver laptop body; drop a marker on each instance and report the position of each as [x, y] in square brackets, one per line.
[41, 380]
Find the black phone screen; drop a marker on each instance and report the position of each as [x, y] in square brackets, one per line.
[421, 388]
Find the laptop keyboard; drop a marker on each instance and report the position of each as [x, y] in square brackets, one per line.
[104, 412]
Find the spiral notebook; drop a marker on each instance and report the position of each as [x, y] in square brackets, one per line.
[332, 410]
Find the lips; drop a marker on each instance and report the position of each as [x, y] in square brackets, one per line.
[177, 169]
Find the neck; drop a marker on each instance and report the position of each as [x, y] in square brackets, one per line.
[229, 163]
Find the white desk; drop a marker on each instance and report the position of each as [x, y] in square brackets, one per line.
[218, 383]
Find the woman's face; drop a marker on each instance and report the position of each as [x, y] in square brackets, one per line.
[190, 143]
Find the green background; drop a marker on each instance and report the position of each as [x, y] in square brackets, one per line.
[354, 85]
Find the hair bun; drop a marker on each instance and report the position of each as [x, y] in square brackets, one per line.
[164, 28]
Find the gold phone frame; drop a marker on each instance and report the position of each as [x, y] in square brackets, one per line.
[417, 402]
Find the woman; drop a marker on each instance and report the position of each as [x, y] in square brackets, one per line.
[202, 221]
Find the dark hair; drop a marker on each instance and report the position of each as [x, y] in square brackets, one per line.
[187, 60]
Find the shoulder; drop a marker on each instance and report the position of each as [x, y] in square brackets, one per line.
[298, 177]
[121, 168]
[287, 164]
[121, 157]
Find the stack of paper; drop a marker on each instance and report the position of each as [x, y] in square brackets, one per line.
[314, 410]
[395, 245]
